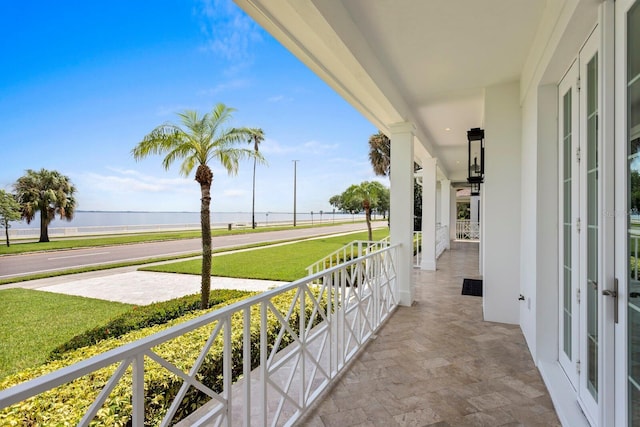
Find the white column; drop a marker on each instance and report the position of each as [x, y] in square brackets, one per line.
[500, 217]
[474, 204]
[401, 209]
[453, 214]
[428, 214]
[445, 205]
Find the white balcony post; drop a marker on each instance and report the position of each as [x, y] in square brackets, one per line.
[401, 210]
[429, 214]
[445, 206]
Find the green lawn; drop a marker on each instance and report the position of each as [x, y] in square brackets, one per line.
[286, 263]
[32, 323]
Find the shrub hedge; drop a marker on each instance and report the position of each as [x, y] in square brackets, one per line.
[142, 317]
[66, 404]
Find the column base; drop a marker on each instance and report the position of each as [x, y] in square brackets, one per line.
[428, 265]
[405, 298]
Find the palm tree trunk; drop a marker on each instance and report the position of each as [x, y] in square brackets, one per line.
[253, 202]
[6, 230]
[367, 215]
[44, 226]
[204, 176]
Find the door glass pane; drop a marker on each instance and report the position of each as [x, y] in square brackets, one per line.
[566, 152]
[633, 122]
[592, 225]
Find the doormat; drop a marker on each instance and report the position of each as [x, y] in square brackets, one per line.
[472, 287]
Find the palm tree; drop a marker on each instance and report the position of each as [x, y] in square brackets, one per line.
[380, 153]
[46, 191]
[9, 211]
[367, 195]
[257, 136]
[200, 139]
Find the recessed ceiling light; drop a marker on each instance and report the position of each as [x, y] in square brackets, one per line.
[447, 129]
[457, 162]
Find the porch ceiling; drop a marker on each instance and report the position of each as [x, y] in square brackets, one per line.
[427, 62]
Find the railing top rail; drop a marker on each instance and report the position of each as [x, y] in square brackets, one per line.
[64, 375]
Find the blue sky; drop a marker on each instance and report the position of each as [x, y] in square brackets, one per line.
[82, 82]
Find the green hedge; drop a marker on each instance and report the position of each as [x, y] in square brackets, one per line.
[142, 317]
[66, 404]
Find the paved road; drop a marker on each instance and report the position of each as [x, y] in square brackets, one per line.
[18, 265]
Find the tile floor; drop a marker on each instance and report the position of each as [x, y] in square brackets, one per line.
[439, 364]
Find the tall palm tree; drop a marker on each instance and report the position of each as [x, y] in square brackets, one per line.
[46, 191]
[200, 139]
[257, 136]
[380, 153]
[367, 195]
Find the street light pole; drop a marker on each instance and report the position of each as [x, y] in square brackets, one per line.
[295, 164]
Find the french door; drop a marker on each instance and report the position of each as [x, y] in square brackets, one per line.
[628, 139]
[580, 238]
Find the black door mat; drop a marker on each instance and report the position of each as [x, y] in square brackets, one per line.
[472, 287]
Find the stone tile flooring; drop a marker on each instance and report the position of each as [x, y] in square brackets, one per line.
[439, 364]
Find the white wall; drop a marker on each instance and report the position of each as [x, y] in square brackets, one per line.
[501, 203]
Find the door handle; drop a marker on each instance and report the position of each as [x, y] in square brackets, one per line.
[613, 293]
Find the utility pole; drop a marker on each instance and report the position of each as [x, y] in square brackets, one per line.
[295, 164]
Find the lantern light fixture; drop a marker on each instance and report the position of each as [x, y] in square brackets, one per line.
[475, 161]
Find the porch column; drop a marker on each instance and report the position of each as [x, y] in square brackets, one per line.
[445, 207]
[401, 209]
[429, 214]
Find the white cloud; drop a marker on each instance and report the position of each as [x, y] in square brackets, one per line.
[279, 98]
[230, 32]
[270, 146]
[226, 86]
[234, 193]
[131, 181]
[315, 147]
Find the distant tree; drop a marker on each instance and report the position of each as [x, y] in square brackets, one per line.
[257, 136]
[46, 191]
[9, 211]
[380, 154]
[367, 196]
[383, 203]
[200, 139]
[336, 202]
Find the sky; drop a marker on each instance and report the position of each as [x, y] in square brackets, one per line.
[82, 82]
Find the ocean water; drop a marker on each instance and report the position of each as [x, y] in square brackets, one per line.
[84, 219]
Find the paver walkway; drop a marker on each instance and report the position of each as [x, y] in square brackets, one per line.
[439, 364]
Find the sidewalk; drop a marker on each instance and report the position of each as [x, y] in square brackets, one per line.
[145, 287]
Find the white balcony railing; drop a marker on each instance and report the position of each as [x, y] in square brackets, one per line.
[343, 311]
[442, 236]
[467, 230]
[352, 250]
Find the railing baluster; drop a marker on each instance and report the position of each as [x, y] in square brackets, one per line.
[227, 366]
[246, 366]
[138, 391]
[264, 369]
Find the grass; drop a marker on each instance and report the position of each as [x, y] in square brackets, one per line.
[97, 241]
[32, 323]
[286, 263]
